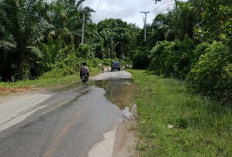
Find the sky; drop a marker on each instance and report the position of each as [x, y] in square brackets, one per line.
[128, 10]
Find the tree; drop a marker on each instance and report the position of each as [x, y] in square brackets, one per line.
[176, 23]
[121, 32]
[66, 18]
[23, 24]
[52, 52]
[215, 22]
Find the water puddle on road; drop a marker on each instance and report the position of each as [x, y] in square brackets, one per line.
[121, 93]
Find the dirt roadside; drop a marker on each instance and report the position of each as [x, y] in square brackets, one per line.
[6, 90]
[125, 140]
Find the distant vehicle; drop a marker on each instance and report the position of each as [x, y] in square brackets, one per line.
[115, 65]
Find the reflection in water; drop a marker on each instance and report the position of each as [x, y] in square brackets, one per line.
[119, 91]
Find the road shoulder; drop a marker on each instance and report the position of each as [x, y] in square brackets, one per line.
[125, 140]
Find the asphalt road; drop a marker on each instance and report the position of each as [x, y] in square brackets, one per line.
[64, 122]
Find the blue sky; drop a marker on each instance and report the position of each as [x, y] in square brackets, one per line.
[128, 10]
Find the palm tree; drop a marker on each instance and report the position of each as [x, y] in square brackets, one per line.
[23, 23]
[51, 52]
[103, 43]
[66, 17]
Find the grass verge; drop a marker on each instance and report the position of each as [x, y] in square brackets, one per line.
[49, 82]
[200, 127]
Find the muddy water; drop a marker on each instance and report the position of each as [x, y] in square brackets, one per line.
[119, 91]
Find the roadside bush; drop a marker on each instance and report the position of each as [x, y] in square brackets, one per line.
[107, 61]
[183, 51]
[54, 73]
[158, 57]
[172, 59]
[84, 51]
[140, 59]
[72, 61]
[198, 51]
[212, 74]
[71, 65]
[96, 61]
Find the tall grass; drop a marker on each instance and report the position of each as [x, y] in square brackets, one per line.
[200, 127]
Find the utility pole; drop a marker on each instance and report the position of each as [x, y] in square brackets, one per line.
[83, 28]
[145, 24]
[112, 49]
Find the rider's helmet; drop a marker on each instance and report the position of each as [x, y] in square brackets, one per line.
[84, 63]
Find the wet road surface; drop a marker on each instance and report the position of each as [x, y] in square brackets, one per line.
[73, 120]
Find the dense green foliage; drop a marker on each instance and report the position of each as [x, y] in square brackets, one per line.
[172, 59]
[37, 37]
[21, 25]
[120, 33]
[174, 122]
[192, 41]
[212, 73]
[140, 59]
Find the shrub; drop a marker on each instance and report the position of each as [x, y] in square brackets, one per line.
[84, 51]
[140, 59]
[107, 61]
[157, 57]
[54, 73]
[212, 73]
[172, 59]
[199, 50]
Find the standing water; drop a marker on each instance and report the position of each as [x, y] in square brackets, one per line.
[120, 92]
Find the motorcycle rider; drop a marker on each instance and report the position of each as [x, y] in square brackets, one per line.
[84, 70]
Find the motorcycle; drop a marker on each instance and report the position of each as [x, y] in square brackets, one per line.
[84, 78]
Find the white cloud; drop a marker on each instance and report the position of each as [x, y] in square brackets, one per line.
[128, 10]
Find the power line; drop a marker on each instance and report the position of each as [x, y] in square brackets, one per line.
[169, 7]
[98, 5]
[163, 5]
[160, 5]
[163, 9]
